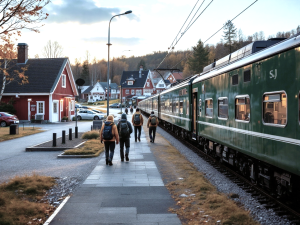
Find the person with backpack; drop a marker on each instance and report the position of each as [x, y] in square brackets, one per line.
[137, 121]
[125, 129]
[126, 110]
[152, 124]
[109, 134]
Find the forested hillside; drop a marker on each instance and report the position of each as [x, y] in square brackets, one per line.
[189, 61]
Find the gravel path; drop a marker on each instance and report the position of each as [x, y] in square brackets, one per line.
[224, 185]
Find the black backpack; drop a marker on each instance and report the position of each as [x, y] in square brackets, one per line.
[153, 120]
[107, 131]
[137, 119]
[124, 130]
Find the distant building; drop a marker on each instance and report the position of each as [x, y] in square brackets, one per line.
[136, 83]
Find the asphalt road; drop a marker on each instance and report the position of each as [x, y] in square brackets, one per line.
[14, 161]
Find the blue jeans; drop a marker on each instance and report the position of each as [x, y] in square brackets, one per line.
[109, 149]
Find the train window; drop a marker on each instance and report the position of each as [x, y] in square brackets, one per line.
[162, 105]
[275, 108]
[174, 106]
[247, 75]
[200, 104]
[223, 108]
[177, 105]
[209, 108]
[235, 79]
[187, 106]
[242, 108]
[181, 107]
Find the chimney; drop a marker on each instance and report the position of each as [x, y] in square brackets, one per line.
[22, 52]
[140, 72]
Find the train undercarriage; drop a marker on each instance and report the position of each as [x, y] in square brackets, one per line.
[280, 183]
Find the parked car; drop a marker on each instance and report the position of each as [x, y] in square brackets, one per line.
[115, 105]
[89, 115]
[78, 106]
[7, 119]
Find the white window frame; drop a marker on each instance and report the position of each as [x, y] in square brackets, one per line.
[57, 105]
[148, 84]
[38, 108]
[61, 105]
[72, 105]
[130, 82]
[63, 80]
[127, 91]
[132, 91]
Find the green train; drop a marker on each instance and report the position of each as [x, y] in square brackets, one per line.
[243, 109]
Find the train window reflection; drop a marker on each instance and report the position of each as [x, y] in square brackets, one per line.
[187, 106]
[181, 107]
[275, 109]
[209, 107]
[242, 108]
[223, 108]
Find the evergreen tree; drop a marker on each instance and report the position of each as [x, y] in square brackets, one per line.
[229, 34]
[298, 29]
[85, 73]
[199, 59]
[142, 63]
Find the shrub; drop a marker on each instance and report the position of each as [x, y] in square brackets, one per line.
[7, 107]
[65, 118]
[91, 135]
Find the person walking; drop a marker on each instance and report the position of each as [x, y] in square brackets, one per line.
[152, 124]
[125, 129]
[137, 121]
[109, 134]
[131, 109]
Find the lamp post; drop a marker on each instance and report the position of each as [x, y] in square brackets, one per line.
[109, 44]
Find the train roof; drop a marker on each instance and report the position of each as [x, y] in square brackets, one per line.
[265, 53]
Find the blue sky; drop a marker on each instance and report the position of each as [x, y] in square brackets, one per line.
[82, 25]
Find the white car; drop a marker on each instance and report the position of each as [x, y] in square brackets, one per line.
[89, 115]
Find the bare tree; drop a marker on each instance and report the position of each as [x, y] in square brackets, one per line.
[261, 36]
[53, 50]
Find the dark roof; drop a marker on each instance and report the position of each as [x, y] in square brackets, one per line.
[138, 83]
[167, 82]
[43, 75]
[112, 85]
[87, 91]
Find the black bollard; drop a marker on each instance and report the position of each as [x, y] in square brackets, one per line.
[76, 132]
[63, 139]
[70, 134]
[54, 139]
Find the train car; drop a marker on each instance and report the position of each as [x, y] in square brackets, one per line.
[175, 110]
[265, 145]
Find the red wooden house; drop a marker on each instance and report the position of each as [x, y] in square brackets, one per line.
[50, 93]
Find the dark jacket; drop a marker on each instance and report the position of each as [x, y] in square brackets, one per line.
[123, 119]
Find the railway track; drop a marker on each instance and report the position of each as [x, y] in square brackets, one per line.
[262, 196]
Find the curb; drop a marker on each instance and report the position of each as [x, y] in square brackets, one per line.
[48, 221]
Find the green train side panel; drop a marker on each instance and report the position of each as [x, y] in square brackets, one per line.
[181, 120]
[267, 143]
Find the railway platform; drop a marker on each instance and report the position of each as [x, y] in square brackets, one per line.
[126, 193]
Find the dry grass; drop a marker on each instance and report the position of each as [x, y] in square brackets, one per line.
[92, 147]
[203, 204]
[4, 132]
[91, 135]
[20, 200]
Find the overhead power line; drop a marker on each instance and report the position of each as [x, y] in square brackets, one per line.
[186, 29]
[215, 33]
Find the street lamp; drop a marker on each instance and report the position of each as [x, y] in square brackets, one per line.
[109, 44]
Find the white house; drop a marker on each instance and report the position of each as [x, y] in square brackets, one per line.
[96, 93]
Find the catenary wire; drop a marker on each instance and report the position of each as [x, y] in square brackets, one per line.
[188, 55]
[182, 35]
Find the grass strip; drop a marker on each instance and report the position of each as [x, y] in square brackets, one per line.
[21, 200]
[197, 200]
[4, 132]
[90, 148]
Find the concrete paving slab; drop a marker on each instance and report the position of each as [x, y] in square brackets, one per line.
[126, 193]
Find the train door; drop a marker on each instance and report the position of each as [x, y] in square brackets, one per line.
[194, 116]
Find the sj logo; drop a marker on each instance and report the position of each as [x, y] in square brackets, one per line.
[273, 75]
